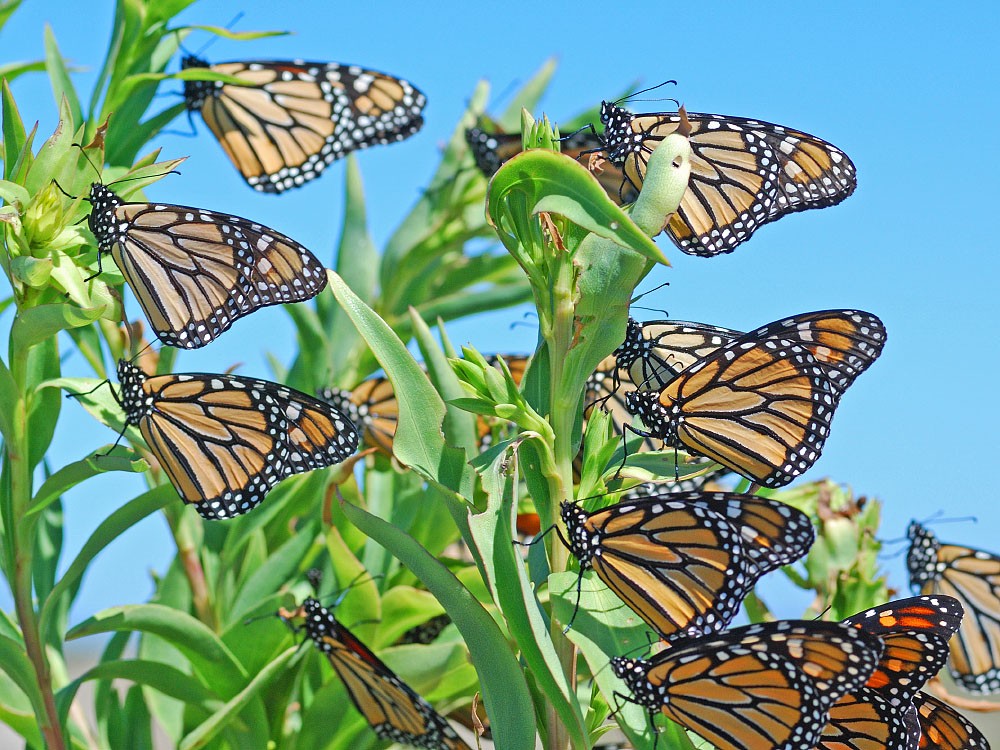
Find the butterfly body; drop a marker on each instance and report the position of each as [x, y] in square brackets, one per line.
[744, 173]
[225, 441]
[973, 577]
[761, 687]
[293, 118]
[392, 708]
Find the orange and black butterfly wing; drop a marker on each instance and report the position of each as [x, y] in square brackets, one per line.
[973, 578]
[372, 408]
[944, 728]
[195, 272]
[762, 408]
[392, 708]
[292, 119]
[762, 687]
[915, 632]
[744, 173]
[843, 342]
[866, 720]
[681, 568]
[225, 441]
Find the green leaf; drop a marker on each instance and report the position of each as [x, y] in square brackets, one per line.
[17, 667]
[357, 265]
[14, 134]
[164, 678]
[504, 690]
[555, 183]
[512, 591]
[73, 474]
[269, 577]
[62, 86]
[9, 403]
[208, 729]
[35, 324]
[203, 648]
[603, 627]
[108, 531]
[239, 36]
[418, 442]
[7, 10]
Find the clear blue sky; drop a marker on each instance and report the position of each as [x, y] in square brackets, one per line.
[908, 91]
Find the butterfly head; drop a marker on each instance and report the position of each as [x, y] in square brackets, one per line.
[632, 347]
[196, 92]
[922, 557]
[646, 405]
[484, 150]
[102, 222]
[319, 622]
[583, 541]
[136, 402]
[634, 673]
[618, 136]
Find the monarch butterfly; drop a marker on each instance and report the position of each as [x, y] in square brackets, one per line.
[391, 707]
[744, 173]
[684, 562]
[293, 118]
[944, 728]
[373, 409]
[973, 577]
[844, 343]
[768, 686]
[491, 150]
[195, 272]
[225, 441]
[881, 714]
[761, 407]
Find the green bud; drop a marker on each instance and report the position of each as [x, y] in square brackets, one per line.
[32, 272]
[664, 184]
[44, 219]
[507, 411]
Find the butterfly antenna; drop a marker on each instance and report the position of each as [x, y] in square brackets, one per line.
[258, 618]
[639, 296]
[660, 310]
[72, 394]
[89, 161]
[628, 97]
[142, 177]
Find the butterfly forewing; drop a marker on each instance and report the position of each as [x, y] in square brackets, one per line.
[294, 118]
[973, 578]
[762, 408]
[195, 272]
[224, 441]
[392, 708]
[761, 687]
[372, 408]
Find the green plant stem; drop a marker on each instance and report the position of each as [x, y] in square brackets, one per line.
[187, 551]
[21, 589]
[559, 337]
